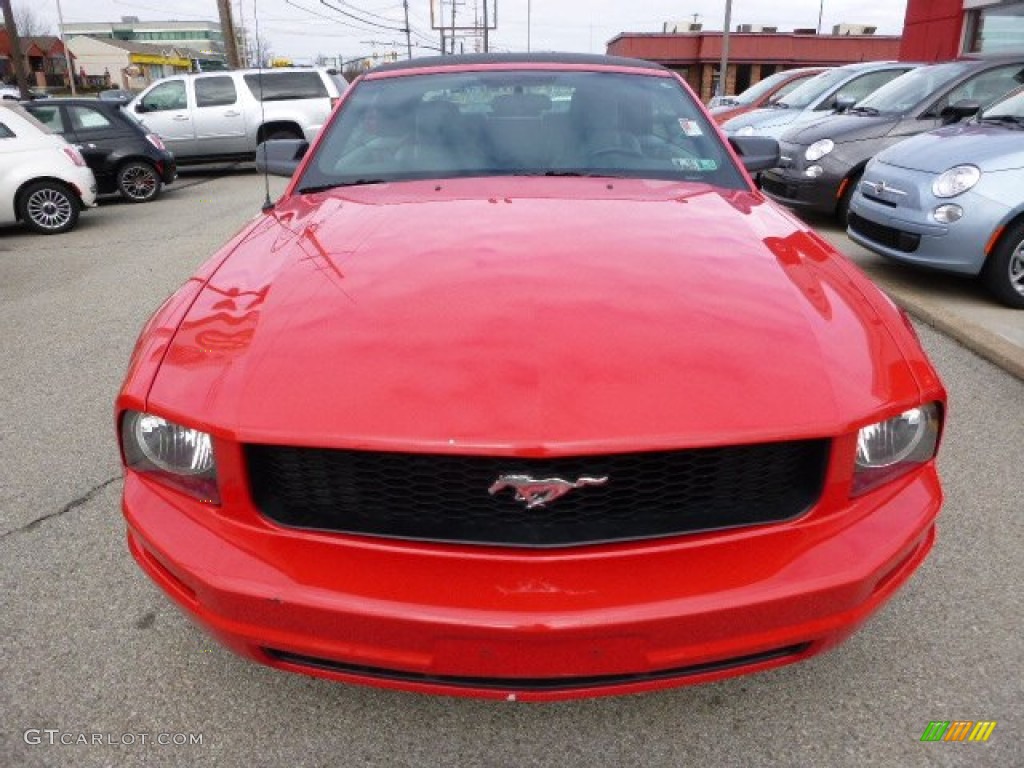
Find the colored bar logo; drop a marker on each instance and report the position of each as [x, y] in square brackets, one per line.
[958, 730]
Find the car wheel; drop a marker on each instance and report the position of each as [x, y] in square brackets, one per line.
[48, 207]
[138, 182]
[1004, 269]
[843, 207]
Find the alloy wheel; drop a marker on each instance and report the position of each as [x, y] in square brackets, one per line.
[139, 182]
[49, 208]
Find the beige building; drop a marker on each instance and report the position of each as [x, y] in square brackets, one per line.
[129, 65]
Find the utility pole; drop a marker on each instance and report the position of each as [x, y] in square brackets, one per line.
[227, 31]
[487, 26]
[821, 10]
[723, 67]
[453, 27]
[16, 58]
[408, 31]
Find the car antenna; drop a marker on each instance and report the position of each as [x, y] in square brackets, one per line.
[268, 204]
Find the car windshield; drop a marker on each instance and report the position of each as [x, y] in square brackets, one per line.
[760, 88]
[1010, 108]
[520, 122]
[814, 88]
[908, 90]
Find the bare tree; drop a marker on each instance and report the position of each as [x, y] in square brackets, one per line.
[30, 22]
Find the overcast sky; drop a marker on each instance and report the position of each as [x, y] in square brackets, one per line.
[300, 29]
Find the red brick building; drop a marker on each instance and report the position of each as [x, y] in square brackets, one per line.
[44, 59]
[937, 30]
[752, 56]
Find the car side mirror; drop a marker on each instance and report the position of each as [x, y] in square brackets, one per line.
[954, 113]
[843, 103]
[140, 108]
[280, 157]
[757, 153]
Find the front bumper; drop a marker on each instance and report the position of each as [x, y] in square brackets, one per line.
[792, 188]
[903, 229]
[527, 624]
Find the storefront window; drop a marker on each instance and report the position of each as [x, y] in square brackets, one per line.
[996, 29]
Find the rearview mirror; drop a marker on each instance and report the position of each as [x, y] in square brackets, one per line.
[954, 113]
[280, 157]
[843, 103]
[757, 153]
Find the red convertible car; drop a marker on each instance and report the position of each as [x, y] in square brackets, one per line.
[522, 390]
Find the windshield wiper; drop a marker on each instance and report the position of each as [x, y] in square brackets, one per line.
[863, 111]
[1003, 119]
[338, 184]
[778, 105]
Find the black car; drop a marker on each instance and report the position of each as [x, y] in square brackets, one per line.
[821, 163]
[123, 155]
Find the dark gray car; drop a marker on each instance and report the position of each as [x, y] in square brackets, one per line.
[821, 163]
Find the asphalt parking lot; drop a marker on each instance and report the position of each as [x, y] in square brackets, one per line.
[88, 646]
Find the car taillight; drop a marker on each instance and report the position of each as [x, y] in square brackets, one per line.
[74, 155]
[156, 141]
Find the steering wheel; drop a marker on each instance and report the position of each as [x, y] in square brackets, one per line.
[612, 151]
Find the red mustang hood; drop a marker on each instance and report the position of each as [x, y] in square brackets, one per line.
[563, 315]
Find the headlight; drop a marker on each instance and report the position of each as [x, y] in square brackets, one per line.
[956, 181]
[176, 455]
[890, 448]
[819, 149]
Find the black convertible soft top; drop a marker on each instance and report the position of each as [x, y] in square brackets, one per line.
[519, 58]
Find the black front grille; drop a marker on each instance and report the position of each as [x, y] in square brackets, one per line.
[777, 188]
[445, 498]
[907, 242]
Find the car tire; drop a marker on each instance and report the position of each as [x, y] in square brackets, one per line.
[48, 207]
[138, 182]
[843, 206]
[1004, 269]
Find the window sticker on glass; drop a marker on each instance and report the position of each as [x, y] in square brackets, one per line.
[686, 163]
[690, 127]
[695, 163]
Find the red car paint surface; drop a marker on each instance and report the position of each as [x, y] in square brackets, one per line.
[529, 317]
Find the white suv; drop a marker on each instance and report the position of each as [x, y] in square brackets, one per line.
[214, 116]
[44, 182]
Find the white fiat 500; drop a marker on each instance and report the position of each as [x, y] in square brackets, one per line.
[44, 181]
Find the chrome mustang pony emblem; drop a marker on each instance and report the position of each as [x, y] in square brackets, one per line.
[537, 493]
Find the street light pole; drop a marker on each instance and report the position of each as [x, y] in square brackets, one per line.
[67, 53]
[723, 66]
[528, 4]
[821, 10]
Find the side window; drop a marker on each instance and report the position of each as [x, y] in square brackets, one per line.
[50, 117]
[5, 132]
[862, 87]
[984, 88]
[166, 96]
[215, 91]
[86, 118]
[283, 86]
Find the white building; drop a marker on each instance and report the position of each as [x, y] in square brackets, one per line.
[129, 65]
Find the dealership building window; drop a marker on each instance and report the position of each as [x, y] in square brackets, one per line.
[995, 28]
